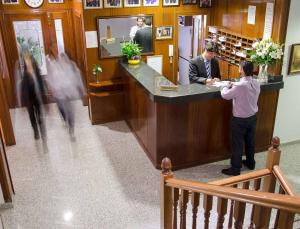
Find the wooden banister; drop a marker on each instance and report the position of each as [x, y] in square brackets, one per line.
[242, 178]
[283, 181]
[265, 199]
[227, 194]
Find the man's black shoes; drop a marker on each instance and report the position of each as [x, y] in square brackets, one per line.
[248, 165]
[231, 172]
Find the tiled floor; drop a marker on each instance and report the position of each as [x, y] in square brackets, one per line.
[103, 180]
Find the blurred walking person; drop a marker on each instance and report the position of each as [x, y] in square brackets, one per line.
[64, 79]
[32, 93]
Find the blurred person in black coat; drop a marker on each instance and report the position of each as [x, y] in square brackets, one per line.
[32, 93]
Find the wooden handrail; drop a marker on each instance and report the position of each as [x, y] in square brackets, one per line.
[283, 181]
[265, 199]
[242, 178]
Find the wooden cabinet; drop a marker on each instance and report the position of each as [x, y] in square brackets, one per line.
[106, 101]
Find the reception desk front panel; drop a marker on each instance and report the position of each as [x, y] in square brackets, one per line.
[191, 126]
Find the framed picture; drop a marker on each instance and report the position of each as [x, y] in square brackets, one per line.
[91, 4]
[151, 3]
[205, 3]
[189, 2]
[10, 2]
[170, 2]
[132, 3]
[164, 32]
[113, 3]
[294, 63]
[55, 1]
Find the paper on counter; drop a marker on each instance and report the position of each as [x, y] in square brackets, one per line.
[220, 83]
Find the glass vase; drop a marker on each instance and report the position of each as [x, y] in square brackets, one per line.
[97, 77]
[263, 73]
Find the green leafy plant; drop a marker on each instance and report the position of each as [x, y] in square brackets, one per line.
[131, 50]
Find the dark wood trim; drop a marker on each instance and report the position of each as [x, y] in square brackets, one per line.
[5, 176]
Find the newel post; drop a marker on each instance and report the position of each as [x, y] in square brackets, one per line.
[262, 215]
[274, 152]
[166, 195]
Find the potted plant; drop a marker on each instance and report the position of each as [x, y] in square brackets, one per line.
[132, 51]
[96, 71]
[265, 53]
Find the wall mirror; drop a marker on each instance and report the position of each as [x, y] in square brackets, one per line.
[113, 31]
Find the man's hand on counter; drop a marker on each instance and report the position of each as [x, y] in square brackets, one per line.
[212, 81]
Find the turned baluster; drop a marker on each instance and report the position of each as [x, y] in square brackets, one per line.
[284, 219]
[175, 204]
[231, 210]
[239, 210]
[222, 210]
[256, 187]
[195, 204]
[184, 198]
[207, 205]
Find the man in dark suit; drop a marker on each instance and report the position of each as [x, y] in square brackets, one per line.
[143, 37]
[205, 69]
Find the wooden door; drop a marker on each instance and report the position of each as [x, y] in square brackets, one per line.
[49, 23]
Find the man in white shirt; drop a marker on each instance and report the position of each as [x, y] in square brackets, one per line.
[139, 25]
[244, 96]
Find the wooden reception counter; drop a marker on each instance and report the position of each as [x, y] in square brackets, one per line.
[191, 126]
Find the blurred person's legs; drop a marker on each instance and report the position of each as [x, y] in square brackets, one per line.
[40, 119]
[70, 116]
[33, 121]
[61, 107]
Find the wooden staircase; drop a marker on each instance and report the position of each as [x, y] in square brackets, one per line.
[256, 195]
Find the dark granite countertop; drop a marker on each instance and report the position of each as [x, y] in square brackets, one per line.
[149, 79]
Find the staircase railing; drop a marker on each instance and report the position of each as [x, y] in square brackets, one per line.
[259, 199]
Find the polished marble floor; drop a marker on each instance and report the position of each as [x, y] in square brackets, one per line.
[103, 180]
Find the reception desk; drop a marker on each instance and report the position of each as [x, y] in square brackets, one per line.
[191, 125]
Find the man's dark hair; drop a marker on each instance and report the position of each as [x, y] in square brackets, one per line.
[247, 67]
[148, 21]
[211, 47]
[138, 18]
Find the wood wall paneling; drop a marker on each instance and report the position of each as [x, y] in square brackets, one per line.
[5, 119]
[162, 16]
[232, 15]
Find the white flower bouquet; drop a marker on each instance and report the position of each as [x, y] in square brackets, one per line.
[265, 52]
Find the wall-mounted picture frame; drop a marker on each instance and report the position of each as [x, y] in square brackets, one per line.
[91, 4]
[294, 63]
[205, 3]
[151, 3]
[55, 1]
[132, 3]
[113, 3]
[170, 2]
[164, 32]
[10, 2]
[189, 2]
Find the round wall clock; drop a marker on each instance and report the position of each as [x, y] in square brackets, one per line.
[34, 3]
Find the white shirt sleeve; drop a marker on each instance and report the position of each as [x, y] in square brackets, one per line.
[132, 32]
